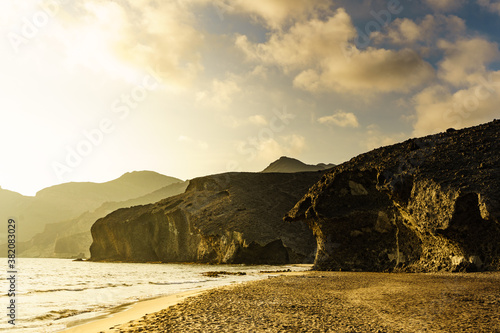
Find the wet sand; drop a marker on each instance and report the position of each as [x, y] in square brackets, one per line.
[136, 310]
[338, 302]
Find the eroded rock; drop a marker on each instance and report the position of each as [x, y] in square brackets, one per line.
[426, 204]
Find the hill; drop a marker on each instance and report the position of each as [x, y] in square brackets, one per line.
[68, 201]
[290, 165]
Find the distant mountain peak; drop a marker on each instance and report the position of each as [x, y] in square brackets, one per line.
[289, 165]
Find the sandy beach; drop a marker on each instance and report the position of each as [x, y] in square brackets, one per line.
[136, 310]
[325, 302]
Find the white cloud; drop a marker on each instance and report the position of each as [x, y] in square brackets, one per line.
[327, 60]
[491, 5]
[340, 118]
[445, 5]
[439, 108]
[465, 60]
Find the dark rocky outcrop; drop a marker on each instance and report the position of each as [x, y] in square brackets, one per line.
[427, 204]
[226, 218]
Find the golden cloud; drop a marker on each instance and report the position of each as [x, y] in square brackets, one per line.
[327, 59]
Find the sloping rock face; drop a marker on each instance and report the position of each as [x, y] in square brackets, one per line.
[427, 204]
[227, 218]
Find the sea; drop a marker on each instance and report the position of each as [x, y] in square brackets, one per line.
[53, 294]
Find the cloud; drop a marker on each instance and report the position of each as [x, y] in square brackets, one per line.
[491, 5]
[372, 70]
[465, 60]
[438, 107]
[340, 118]
[305, 42]
[405, 31]
[159, 36]
[258, 120]
[445, 5]
[468, 94]
[221, 94]
[274, 13]
[327, 60]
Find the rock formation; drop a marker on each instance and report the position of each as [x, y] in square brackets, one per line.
[427, 204]
[226, 218]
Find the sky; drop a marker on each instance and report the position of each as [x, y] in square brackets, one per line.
[92, 89]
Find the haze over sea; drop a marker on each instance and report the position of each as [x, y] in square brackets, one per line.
[55, 293]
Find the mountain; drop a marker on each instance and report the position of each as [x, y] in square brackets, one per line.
[289, 165]
[426, 204]
[225, 218]
[72, 238]
[68, 201]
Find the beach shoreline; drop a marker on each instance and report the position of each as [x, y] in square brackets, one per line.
[337, 302]
[323, 302]
[133, 312]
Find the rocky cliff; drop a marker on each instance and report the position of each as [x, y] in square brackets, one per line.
[427, 204]
[227, 218]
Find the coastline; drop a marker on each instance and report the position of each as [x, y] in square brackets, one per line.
[132, 312]
[337, 302]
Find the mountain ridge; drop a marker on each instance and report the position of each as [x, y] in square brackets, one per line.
[290, 165]
[67, 201]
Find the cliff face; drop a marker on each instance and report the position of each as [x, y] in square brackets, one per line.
[227, 218]
[426, 204]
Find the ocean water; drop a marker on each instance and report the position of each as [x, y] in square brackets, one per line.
[53, 293]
